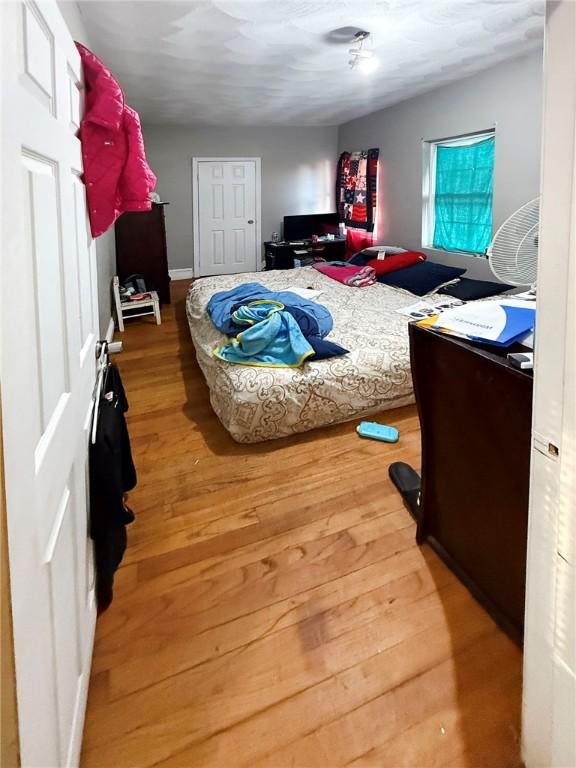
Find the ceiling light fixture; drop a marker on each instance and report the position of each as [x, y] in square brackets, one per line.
[362, 55]
[367, 65]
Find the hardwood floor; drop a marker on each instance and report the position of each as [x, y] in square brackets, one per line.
[273, 608]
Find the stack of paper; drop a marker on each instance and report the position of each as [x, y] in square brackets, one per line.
[429, 308]
[500, 322]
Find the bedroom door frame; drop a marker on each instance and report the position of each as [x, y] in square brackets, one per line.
[196, 208]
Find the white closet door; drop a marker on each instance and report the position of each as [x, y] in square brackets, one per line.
[226, 216]
[49, 328]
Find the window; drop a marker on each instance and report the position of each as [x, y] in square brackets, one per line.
[457, 193]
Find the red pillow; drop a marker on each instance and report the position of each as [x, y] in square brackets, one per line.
[396, 261]
[357, 240]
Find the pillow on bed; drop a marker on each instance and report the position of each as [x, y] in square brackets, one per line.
[389, 249]
[422, 278]
[362, 258]
[468, 290]
[396, 261]
[356, 240]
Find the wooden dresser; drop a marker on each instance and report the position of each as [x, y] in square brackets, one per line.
[475, 415]
[141, 249]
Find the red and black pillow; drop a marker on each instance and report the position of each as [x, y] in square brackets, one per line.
[357, 240]
[396, 261]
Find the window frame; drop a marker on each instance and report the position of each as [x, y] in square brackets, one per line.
[429, 148]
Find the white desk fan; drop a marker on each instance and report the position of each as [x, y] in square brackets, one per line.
[513, 252]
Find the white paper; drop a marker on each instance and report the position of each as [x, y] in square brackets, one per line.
[480, 319]
[306, 293]
[429, 308]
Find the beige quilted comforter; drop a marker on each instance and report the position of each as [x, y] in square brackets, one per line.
[256, 404]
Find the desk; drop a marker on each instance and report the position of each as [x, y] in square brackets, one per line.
[475, 414]
[281, 255]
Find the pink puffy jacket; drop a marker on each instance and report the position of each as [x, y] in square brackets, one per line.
[116, 173]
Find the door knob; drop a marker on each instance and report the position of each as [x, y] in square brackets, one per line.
[250, 221]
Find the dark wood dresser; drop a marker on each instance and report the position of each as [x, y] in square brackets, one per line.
[475, 415]
[141, 249]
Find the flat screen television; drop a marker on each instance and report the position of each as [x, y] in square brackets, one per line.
[303, 227]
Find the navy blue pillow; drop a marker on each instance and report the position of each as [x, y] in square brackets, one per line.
[360, 259]
[421, 278]
[468, 290]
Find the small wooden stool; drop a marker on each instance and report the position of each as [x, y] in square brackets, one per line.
[150, 305]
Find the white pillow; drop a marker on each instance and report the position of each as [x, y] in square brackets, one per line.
[389, 249]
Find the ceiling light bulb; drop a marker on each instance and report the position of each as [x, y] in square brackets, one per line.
[367, 65]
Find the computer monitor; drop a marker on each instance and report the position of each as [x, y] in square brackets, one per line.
[303, 227]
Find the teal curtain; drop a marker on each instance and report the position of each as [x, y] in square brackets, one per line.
[463, 196]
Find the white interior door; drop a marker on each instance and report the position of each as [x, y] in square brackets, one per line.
[227, 217]
[49, 319]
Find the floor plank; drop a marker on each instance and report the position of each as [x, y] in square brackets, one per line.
[273, 609]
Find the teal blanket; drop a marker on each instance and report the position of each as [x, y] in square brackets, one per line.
[272, 337]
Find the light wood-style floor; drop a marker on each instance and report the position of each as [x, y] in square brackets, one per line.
[273, 608]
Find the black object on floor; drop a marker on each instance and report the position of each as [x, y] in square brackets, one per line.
[407, 480]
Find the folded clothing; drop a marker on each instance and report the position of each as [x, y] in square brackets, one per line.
[348, 275]
[364, 276]
[396, 261]
[422, 278]
[469, 290]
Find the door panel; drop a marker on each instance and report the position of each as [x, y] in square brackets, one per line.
[227, 216]
[239, 246]
[38, 49]
[41, 201]
[49, 321]
[239, 201]
[60, 561]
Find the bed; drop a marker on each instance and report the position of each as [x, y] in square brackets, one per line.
[256, 404]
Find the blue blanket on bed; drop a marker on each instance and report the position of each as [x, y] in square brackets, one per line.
[271, 337]
[312, 319]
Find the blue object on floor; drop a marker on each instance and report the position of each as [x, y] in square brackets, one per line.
[377, 431]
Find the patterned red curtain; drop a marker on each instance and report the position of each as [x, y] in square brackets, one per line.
[356, 188]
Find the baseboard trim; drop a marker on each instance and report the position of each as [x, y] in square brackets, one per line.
[110, 330]
[181, 274]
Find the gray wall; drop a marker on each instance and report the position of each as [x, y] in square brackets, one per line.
[508, 96]
[105, 245]
[298, 172]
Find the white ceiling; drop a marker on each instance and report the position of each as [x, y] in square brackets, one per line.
[267, 62]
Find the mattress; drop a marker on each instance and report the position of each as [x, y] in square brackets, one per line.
[257, 404]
